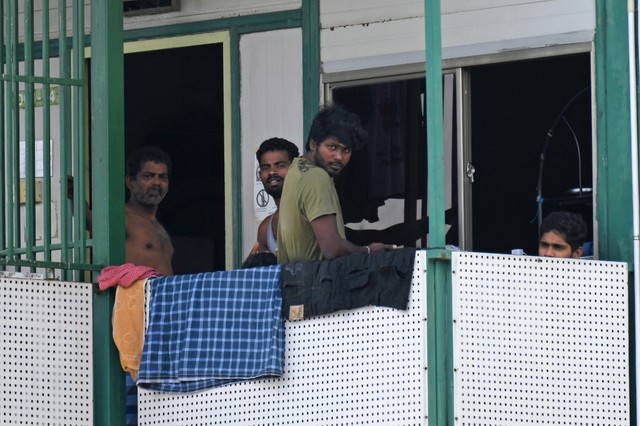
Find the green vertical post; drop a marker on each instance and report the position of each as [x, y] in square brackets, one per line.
[46, 135]
[614, 205]
[65, 134]
[310, 62]
[29, 140]
[11, 105]
[236, 135]
[439, 338]
[440, 404]
[79, 233]
[434, 118]
[107, 160]
[3, 116]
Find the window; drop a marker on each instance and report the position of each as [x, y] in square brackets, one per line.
[497, 117]
[143, 7]
[386, 183]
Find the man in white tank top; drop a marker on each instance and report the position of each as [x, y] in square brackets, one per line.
[274, 158]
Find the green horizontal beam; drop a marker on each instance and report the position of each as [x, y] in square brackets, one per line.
[241, 24]
[42, 80]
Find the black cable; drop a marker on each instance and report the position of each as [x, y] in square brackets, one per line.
[550, 134]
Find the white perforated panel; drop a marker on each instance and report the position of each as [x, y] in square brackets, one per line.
[539, 341]
[360, 367]
[46, 330]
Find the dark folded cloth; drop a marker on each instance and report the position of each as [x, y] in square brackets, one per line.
[313, 288]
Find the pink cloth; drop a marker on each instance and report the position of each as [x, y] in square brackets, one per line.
[124, 275]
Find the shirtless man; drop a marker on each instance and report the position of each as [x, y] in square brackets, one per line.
[147, 242]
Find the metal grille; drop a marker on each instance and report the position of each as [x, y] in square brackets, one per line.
[539, 341]
[360, 367]
[42, 135]
[47, 367]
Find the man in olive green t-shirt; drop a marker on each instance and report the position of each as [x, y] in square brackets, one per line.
[311, 225]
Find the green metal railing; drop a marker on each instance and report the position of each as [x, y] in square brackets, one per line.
[44, 141]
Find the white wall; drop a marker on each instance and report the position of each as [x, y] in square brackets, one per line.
[205, 10]
[375, 33]
[501, 25]
[190, 11]
[54, 161]
[271, 106]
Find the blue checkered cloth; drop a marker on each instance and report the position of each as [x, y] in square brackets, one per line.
[210, 329]
[131, 404]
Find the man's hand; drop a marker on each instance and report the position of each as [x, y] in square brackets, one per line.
[258, 248]
[381, 247]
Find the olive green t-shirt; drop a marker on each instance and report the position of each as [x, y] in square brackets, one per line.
[307, 194]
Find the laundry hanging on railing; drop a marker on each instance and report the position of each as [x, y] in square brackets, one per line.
[209, 329]
[321, 287]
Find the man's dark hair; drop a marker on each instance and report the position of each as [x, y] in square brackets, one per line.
[278, 144]
[569, 224]
[334, 121]
[259, 259]
[144, 154]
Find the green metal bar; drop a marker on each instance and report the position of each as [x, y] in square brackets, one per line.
[613, 184]
[53, 47]
[236, 166]
[13, 181]
[41, 80]
[22, 250]
[52, 265]
[79, 231]
[46, 135]
[65, 135]
[310, 61]
[439, 316]
[3, 116]
[29, 142]
[613, 195]
[17, 179]
[434, 114]
[244, 25]
[439, 338]
[107, 136]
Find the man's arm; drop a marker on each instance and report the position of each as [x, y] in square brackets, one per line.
[333, 245]
[261, 244]
[402, 234]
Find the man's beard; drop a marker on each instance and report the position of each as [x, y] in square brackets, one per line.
[151, 197]
[275, 193]
[332, 171]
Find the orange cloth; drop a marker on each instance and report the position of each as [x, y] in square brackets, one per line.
[128, 325]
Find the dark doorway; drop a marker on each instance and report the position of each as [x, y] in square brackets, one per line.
[514, 107]
[174, 99]
[391, 165]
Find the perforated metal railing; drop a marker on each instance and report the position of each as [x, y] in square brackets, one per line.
[360, 367]
[46, 359]
[43, 143]
[540, 341]
[535, 341]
